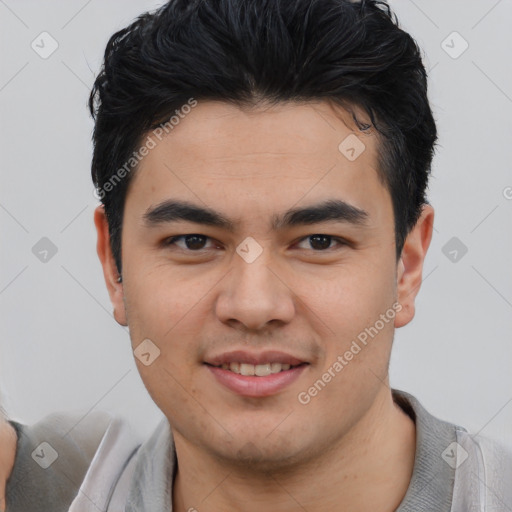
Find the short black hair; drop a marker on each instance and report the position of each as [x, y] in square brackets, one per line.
[352, 53]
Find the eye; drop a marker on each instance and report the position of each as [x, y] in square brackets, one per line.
[192, 242]
[321, 242]
[196, 242]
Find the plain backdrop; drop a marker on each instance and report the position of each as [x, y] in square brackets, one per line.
[60, 347]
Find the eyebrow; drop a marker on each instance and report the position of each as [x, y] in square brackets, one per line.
[332, 210]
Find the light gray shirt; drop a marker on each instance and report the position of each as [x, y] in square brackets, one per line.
[101, 468]
[453, 472]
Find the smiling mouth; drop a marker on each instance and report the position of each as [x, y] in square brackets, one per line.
[257, 370]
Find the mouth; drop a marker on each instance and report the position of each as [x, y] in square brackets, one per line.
[257, 370]
[256, 375]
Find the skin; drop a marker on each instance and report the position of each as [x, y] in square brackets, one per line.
[7, 455]
[350, 444]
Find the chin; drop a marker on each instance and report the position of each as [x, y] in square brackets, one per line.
[264, 457]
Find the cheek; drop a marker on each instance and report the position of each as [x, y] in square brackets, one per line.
[350, 305]
[348, 298]
[169, 318]
[157, 313]
[159, 299]
[172, 389]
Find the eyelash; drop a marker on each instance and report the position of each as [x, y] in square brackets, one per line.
[172, 241]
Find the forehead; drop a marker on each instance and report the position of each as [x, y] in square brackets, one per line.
[286, 129]
[265, 158]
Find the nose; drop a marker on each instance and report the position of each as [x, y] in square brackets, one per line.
[254, 295]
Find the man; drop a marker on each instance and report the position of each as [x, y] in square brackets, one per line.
[262, 167]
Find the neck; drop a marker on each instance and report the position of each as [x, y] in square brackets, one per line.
[369, 469]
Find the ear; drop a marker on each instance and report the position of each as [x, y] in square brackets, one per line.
[110, 273]
[410, 266]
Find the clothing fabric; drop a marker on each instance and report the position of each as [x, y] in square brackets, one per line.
[101, 468]
[453, 472]
[55, 456]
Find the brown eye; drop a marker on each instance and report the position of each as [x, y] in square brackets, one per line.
[195, 242]
[192, 242]
[319, 242]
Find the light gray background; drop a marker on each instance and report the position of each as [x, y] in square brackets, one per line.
[60, 347]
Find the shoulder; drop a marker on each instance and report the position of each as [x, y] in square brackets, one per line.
[146, 483]
[127, 476]
[55, 455]
[454, 469]
[484, 474]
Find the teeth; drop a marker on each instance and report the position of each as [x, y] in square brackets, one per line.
[247, 369]
[260, 370]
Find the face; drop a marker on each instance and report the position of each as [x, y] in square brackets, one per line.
[287, 268]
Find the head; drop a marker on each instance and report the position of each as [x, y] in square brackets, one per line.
[294, 140]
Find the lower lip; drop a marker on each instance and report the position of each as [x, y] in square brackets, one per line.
[256, 387]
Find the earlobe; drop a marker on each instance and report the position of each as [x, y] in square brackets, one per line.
[410, 266]
[110, 273]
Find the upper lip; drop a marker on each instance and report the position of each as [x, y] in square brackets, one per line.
[243, 356]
